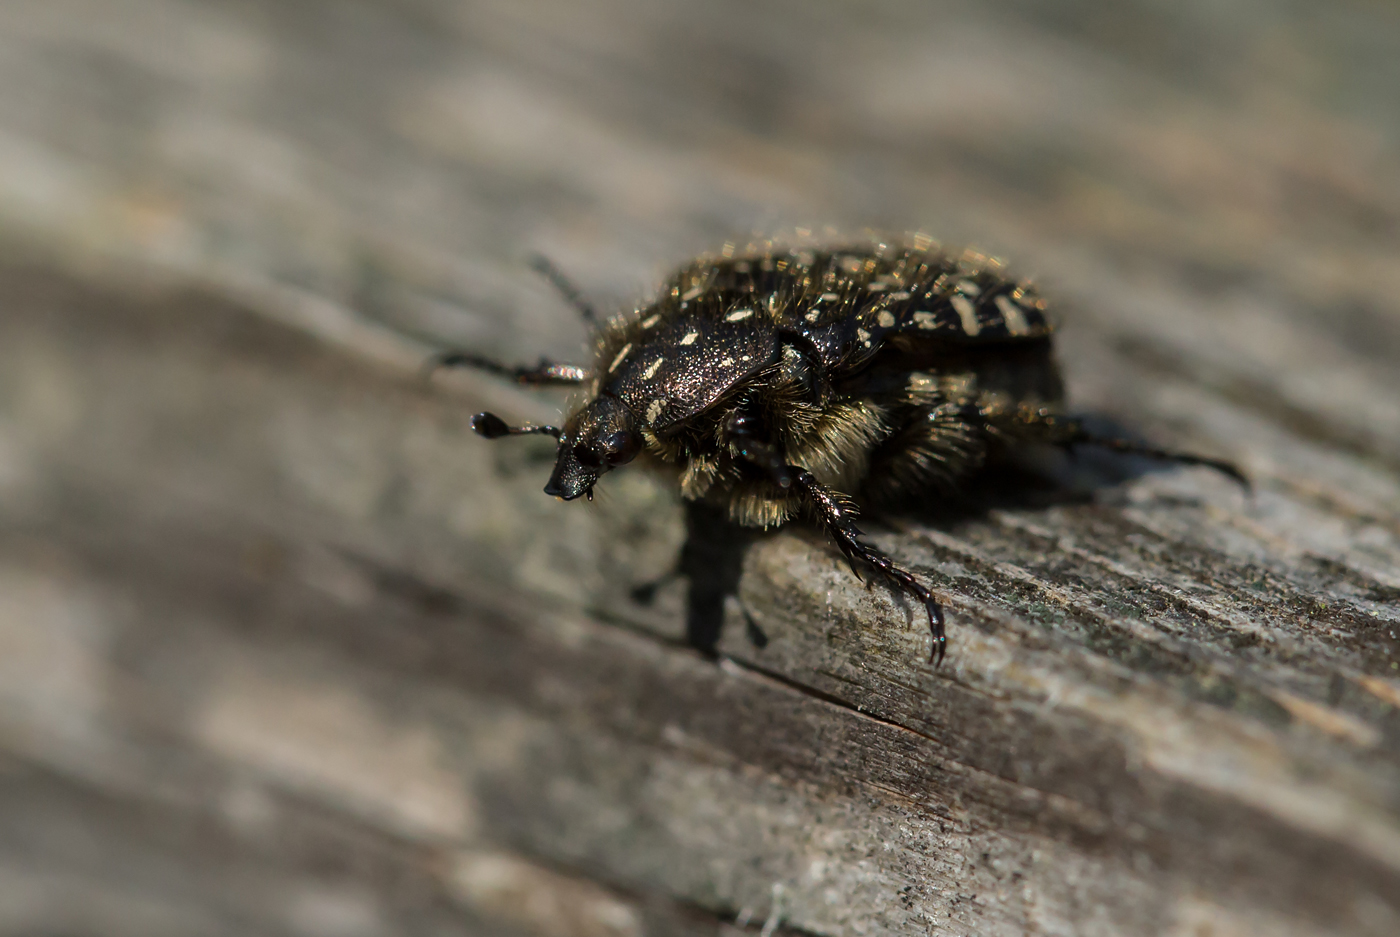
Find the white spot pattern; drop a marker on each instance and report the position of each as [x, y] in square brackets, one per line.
[1016, 322]
[654, 409]
[649, 321]
[651, 369]
[925, 319]
[621, 356]
[970, 288]
[691, 293]
[690, 338]
[738, 315]
[885, 319]
[966, 312]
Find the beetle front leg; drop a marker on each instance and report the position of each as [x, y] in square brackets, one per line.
[741, 428]
[544, 373]
[838, 514]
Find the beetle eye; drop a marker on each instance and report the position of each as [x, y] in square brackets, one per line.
[619, 448]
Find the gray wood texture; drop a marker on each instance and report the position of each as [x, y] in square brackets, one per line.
[285, 649]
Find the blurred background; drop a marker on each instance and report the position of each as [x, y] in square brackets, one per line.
[1210, 191]
[400, 158]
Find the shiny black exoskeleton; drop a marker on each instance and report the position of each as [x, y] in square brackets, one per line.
[785, 381]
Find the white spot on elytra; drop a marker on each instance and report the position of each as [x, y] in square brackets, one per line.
[690, 338]
[746, 357]
[726, 362]
[649, 321]
[830, 297]
[1016, 322]
[651, 368]
[877, 287]
[738, 315]
[813, 316]
[885, 319]
[654, 409]
[691, 293]
[966, 312]
[621, 356]
[970, 288]
[925, 320]
[902, 294]
[864, 336]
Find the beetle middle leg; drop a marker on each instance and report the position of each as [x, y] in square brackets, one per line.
[561, 282]
[838, 515]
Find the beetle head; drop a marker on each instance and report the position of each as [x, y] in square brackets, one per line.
[599, 437]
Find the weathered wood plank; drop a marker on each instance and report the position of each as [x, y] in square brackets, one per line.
[301, 655]
[1027, 747]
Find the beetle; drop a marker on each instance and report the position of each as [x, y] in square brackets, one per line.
[787, 381]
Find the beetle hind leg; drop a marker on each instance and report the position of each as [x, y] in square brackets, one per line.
[1129, 447]
[1069, 432]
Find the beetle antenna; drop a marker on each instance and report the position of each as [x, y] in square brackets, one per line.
[493, 427]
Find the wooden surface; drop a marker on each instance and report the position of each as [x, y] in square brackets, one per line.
[284, 649]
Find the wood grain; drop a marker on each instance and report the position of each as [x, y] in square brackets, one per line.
[285, 649]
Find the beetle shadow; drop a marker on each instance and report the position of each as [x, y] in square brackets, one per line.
[712, 562]
[1028, 479]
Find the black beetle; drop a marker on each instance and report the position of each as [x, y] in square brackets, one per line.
[784, 381]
